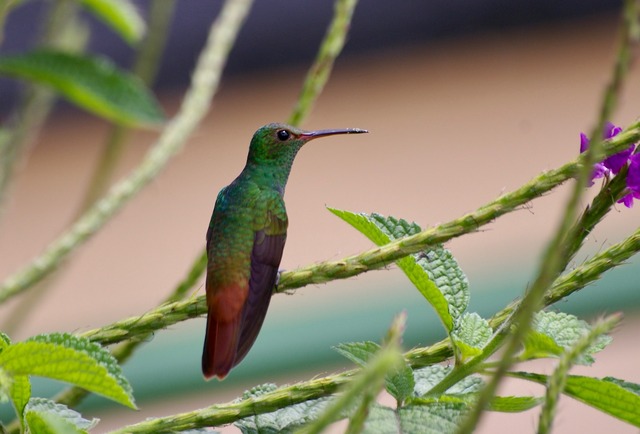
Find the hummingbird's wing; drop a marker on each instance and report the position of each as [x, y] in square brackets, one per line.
[237, 309]
[265, 260]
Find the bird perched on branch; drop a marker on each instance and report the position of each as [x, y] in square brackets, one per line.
[245, 241]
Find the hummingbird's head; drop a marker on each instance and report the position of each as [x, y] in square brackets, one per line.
[279, 143]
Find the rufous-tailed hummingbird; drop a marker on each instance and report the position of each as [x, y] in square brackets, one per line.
[245, 241]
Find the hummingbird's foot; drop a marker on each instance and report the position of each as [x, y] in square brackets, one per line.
[280, 271]
[290, 292]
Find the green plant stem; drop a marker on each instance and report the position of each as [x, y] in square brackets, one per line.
[320, 71]
[195, 104]
[125, 349]
[5, 8]
[382, 256]
[36, 101]
[172, 313]
[558, 379]
[146, 67]
[221, 414]
[226, 413]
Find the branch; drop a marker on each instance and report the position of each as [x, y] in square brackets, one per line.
[172, 313]
[321, 69]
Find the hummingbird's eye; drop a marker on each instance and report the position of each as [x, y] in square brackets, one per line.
[283, 135]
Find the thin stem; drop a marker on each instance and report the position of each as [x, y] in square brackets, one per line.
[36, 101]
[73, 395]
[221, 414]
[5, 8]
[146, 67]
[321, 69]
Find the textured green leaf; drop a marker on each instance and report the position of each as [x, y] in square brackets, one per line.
[45, 416]
[429, 376]
[400, 384]
[471, 334]
[444, 270]
[437, 418]
[285, 420]
[504, 404]
[631, 387]
[434, 272]
[358, 352]
[381, 420]
[92, 83]
[65, 357]
[615, 397]
[565, 330]
[4, 341]
[514, 404]
[538, 345]
[121, 15]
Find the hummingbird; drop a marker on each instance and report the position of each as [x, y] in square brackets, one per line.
[245, 241]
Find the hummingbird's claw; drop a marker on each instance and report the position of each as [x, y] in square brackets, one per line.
[280, 271]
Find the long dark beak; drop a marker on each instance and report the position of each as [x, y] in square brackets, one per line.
[321, 133]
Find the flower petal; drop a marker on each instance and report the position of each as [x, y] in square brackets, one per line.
[617, 161]
[584, 142]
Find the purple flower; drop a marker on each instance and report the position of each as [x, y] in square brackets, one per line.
[633, 181]
[612, 164]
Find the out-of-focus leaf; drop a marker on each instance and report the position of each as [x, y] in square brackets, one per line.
[92, 83]
[400, 384]
[121, 15]
[429, 376]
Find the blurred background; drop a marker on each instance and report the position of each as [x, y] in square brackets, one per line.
[464, 101]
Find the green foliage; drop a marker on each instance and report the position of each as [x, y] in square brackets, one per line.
[93, 83]
[429, 377]
[613, 396]
[471, 334]
[43, 416]
[68, 358]
[563, 330]
[63, 357]
[399, 384]
[434, 272]
[121, 15]
[286, 420]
